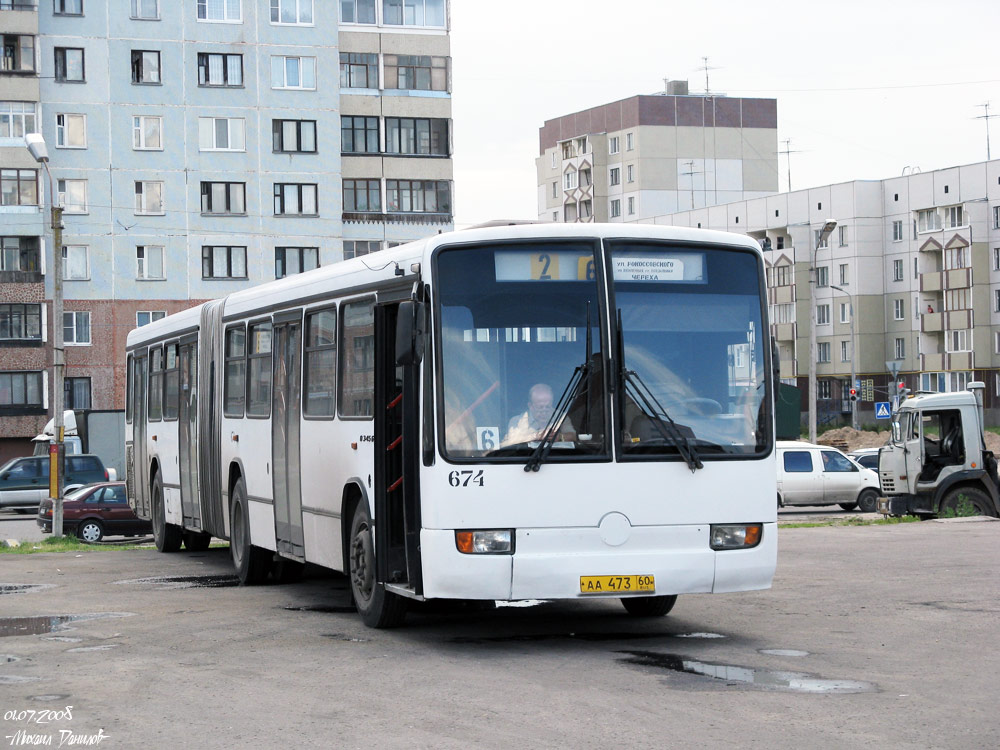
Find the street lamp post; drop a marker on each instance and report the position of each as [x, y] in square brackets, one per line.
[821, 236]
[36, 145]
[854, 382]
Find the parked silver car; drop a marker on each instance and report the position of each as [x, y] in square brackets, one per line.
[819, 475]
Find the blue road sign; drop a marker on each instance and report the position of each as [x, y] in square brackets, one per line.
[883, 410]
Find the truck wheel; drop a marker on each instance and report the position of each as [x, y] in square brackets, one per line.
[252, 563]
[967, 500]
[166, 535]
[868, 501]
[649, 606]
[378, 608]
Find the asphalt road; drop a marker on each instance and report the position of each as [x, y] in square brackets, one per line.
[877, 636]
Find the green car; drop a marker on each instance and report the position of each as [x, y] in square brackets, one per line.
[24, 482]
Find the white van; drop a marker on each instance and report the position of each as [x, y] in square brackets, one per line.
[819, 475]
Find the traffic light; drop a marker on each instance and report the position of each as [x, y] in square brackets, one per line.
[854, 394]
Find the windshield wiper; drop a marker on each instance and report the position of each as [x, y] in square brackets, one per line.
[580, 376]
[634, 386]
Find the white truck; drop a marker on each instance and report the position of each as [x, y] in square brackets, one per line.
[99, 432]
[936, 461]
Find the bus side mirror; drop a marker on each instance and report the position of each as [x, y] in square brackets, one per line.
[409, 332]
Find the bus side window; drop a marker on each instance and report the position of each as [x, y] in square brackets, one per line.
[259, 370]
[235, 372]
[357, 359]
[155, 384]
[320, 368]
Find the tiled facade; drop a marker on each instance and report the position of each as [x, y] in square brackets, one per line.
[203, 147]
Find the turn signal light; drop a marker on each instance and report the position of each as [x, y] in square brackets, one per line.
[492, 542]
[736, 536]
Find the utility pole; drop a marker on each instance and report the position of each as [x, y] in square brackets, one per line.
[705, 67]
[788, 159]
[821, 236]
[36, 145]
[986, 116]
[691, 173]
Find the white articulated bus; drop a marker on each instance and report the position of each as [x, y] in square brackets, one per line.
[510, 413]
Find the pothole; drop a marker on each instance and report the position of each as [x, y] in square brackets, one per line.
[186, 582]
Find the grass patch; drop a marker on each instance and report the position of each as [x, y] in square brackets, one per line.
[850, 521]
[61, 544]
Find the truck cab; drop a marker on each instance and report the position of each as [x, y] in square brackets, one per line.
[936, 462]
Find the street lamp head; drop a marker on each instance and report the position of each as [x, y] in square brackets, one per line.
[37, 147]
[828, 227]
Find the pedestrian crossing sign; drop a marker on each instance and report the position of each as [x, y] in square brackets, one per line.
[882, 410]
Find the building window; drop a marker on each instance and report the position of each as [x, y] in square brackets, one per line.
[954, 217]
[844, 312]
[996, 259]
[145, 317]
[147, 133]
[69, 64]
[149, 263]
[293, 136]
[149, 198]
[818, 240]
[897, 270]
[76, 262]
[928, 220]
[20, 254]
[900, 348]
[223, 198]
[823, 276]
[295, 199]
[356, 248]
[220, 70]
[845, 352]
[18, 187]
[555, 191]
[357, 11]
[362, 195]
[996, 217]
[358, 135]
[222, 134]
[358, 70]
[784, 313]
[822, 314]
[357, 359]
[224, 11]
[630, 141]
[17, 119]
[72, 196]
[320, 366]
[630, 173]
[845, 274]
[570, 180]
[897, 231]
[145, 10]
[20, 389]
[413, 12]
[145, 66]
[958, 341]
[294, 12]
[259, 370]
[842, 241]
[781, 275]
[76, 393]
[20, 322]
[615, 209]
[19, 53]
[418, 196]
[71, 131]
[423, 137]
[76, 328]
[823, 390]
[996, 300]
[416, 72]
[290, 260]
[615, 176]
[898, 309]
[293, 72]
[957, 257]
[613, 144]
[631, 206]
[223, 262]
[68, 8]
[823, 352]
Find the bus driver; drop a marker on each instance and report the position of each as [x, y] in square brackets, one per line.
[528, 426]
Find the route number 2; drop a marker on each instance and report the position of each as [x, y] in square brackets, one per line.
[465, 477]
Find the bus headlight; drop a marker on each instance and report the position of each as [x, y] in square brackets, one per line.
[736, 535]
[492, 542]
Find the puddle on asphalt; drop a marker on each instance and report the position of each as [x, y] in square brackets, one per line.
[186, 582]
[37, 625]
[731, 674]
[49, 697]
[346, 638]
[700, 635]
[335, 609]
[106, 647]
[8, 658]
[14, 679]
[24, 588]
[783, 652]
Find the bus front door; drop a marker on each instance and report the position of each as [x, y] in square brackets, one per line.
[285, 413]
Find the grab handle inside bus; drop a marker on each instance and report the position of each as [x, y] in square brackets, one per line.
[409, 332]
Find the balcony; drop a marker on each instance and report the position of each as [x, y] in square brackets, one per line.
[788, 368]
[939, 281]
[932, 322]
[961, 361]
[18, 5]
[783, 331]
[931, 282]
[781, 295]
[368, 217]
[932, 362]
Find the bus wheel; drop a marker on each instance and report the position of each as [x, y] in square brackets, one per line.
[252, 563]
[378, 608]
[649, 606]
[195, 542]
[166, 535]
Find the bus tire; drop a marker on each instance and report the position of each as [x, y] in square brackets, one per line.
[649, 606]
[166, 536]
[252, 563]
[196, 542]
[378, 608]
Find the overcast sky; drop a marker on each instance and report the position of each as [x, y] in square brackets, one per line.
[864, 90]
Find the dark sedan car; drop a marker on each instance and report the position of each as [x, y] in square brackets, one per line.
[95, 511]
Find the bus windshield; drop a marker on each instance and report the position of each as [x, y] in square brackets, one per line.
[692, 335]
[519, 333]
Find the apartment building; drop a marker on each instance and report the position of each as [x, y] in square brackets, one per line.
[647, 156]
[915, 258]
[198, 147]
